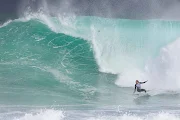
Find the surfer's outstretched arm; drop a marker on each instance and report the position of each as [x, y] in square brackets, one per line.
[142, 82]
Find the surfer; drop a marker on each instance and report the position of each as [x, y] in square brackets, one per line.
[138, 86]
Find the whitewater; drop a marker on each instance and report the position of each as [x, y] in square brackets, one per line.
[85, 67]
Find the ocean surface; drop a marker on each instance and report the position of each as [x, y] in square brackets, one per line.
[84, 68]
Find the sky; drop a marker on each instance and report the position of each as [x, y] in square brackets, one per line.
[8, 9]
[129, 9]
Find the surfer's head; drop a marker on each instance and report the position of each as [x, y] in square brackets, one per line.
[137, 81]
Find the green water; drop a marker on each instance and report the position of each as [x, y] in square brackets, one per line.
[70, 64]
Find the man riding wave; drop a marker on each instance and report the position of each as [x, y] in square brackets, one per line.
[138, 86]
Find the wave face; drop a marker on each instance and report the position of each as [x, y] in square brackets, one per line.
[87, 62]
[126, 47]
[38, 60]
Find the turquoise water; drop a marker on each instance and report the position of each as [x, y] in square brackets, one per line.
[75, 68]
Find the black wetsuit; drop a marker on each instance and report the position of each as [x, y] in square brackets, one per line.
[138, 86]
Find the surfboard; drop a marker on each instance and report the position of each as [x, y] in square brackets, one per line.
[141, 96]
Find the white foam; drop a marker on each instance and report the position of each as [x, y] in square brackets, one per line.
[159, 116]
[43, 115]
[6, 23]
[107, 49]
[162, 72]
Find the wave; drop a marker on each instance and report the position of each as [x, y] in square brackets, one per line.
[43, 115]
[59, 115]
[159, 116]
[134, 49]
[71, 57]
[38, 59]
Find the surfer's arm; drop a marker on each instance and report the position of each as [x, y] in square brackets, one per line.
[135, 89]
[142, 82]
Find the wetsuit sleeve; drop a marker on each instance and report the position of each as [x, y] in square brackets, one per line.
[142, 82]
[135, 88]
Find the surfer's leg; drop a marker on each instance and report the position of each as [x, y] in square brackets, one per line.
[139, 90]
[143, 90]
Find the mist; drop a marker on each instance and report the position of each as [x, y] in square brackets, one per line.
[128, 9]
[125, 9]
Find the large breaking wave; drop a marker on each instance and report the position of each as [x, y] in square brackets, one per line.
[133, 49]
[68, 57]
